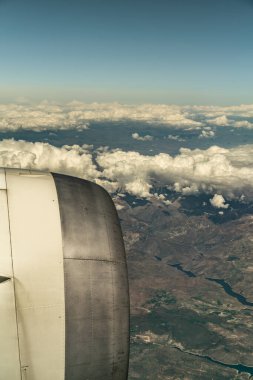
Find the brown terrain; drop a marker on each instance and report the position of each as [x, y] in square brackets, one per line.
[190, 276]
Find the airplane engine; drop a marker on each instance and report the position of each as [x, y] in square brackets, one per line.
[64, 302]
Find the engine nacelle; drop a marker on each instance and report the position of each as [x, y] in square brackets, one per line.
[64, 302]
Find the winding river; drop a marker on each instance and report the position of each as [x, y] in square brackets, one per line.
[239, 367]
[180, 268]
[228, 289]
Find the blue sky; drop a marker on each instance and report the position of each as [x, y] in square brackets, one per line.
[163, 51]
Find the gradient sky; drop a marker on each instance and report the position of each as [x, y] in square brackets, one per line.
[130, 51]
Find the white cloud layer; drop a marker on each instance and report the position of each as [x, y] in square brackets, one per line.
[226, 172]
[46, 115]
[243, 110]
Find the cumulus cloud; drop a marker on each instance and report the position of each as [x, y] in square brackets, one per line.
[222, 116]
[176, 138]
[220, 121]
[207, 133]
[218, 201]
[119, 206]
[136, 136]
[243, 124]
[222, 173]
[73, 159]
[214, 170]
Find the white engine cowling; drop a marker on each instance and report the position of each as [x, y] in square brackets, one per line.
[64, 303]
